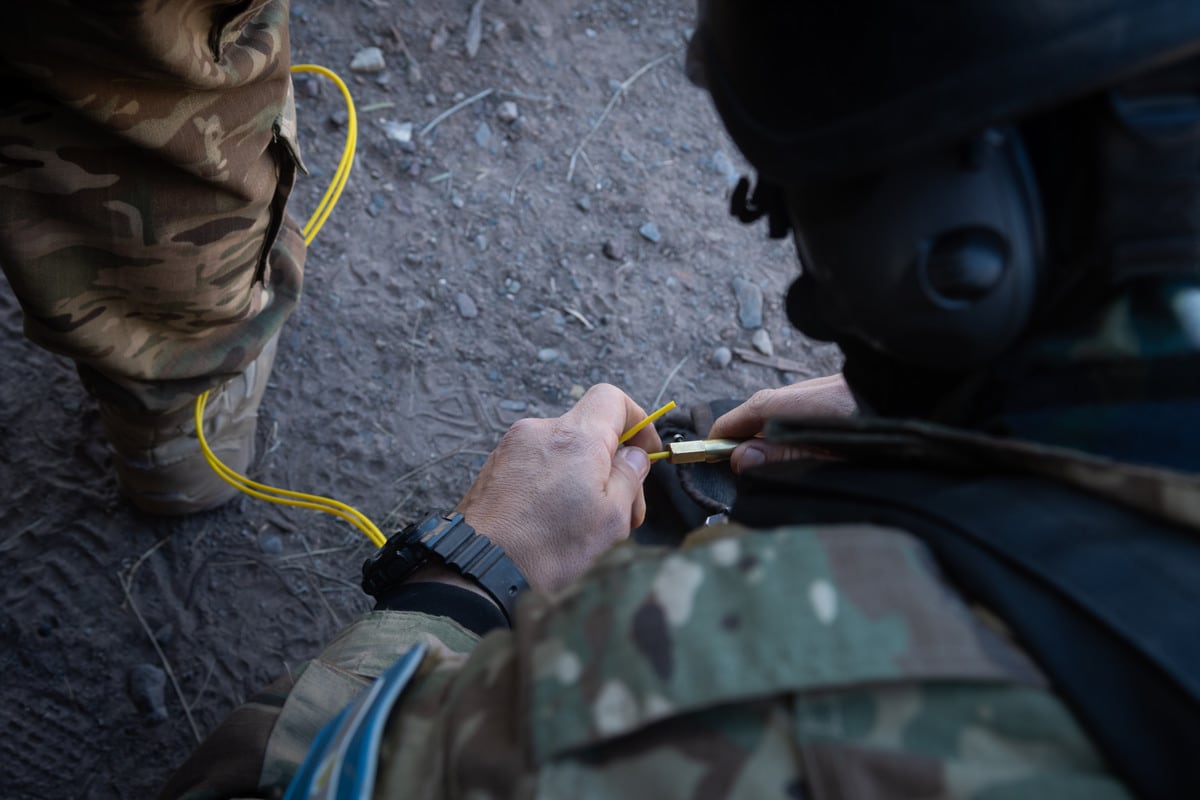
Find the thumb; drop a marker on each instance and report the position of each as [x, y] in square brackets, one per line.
[756, 452]
[630, 467]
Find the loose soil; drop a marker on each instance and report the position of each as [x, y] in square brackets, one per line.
[468, 278]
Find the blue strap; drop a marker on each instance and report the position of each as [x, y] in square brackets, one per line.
[341, 763]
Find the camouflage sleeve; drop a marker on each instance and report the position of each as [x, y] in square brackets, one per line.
[147, 151]
[258, 748]
[797, 663]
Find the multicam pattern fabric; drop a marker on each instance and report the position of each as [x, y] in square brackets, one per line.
[146, 154]
[799, 662]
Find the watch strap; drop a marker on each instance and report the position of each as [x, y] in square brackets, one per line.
[449, 540]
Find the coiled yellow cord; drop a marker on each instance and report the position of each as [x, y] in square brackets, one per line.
[309, 231]
[324, 208]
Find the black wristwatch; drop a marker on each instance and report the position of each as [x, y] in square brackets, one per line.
[445, 539]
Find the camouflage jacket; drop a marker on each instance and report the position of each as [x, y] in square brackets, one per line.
[800, 662]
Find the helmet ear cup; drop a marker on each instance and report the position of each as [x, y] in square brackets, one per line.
[934, 263]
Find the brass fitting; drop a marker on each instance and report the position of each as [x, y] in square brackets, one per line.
[710, 451]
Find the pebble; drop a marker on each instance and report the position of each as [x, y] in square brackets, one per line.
[512, 285]
[508, 112]
[547, 354]
[577, 391]
[378, 202]
[271, 544]
[649, 232]
[147, 686]
[457, 201]
[614, 250]
[466, 306]
[517, 406]
[762, 342]
[369, 59]
[400, 132]
[750, 303]
[483, 134]
[721, 165]
[339, 119]
[584, 203]
[722, 357]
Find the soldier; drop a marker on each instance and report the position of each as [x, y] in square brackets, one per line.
[148, 151]
[981, 585]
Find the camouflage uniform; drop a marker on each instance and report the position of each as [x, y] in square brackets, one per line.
[817, 662]
[146, 155]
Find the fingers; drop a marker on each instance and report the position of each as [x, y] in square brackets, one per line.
[606, 407]
[756, 452]
[630, 467]
[819, 397]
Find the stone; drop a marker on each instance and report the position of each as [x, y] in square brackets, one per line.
[614, 250]
[547, 354]
[720, 164]
[722, 357]
[750, 303]
[399, 132]
[466, 306]
[271, 544]
[147, 686]
[584, 203]
[650, 232]
[508, 112]
[483, 135]
[516, 406]
[368, 59]
[762, 342]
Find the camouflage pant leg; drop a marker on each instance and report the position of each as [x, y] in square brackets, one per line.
[147, 150]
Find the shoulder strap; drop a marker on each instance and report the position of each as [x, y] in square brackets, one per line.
[1106, 599]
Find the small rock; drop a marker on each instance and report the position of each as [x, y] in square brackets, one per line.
[649, 232]
[577, 391]
[165, 635]
[466, 306]
[721, 165]
[512, 286]
[516, 406]
[542, 31]
[457, 201]
[369, 59]
[584, 203]
[508, 112]
[614, 250]
[547, 354]
[147, 686]
[481, 243]
[431, 99]
[271, 544]
[483, 134]
[750, 303]
[378, 202]
[339, 118]
[400, 132]
[762, 342]
[722, 357]
[439, 39]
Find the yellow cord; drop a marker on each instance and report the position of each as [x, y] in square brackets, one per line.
[309, 231]
[282, 496]
[330, 198]
[650, 420]
[311, 228]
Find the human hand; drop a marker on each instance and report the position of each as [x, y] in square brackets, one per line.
[556, 493]
[819, 397]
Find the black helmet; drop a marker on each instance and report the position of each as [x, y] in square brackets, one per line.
[813, 89]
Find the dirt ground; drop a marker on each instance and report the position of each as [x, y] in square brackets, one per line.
[487, 269]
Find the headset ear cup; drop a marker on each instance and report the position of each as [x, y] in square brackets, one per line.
[804, 310]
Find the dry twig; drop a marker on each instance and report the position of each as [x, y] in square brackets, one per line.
[670, 376]
[433, 123]
[608, 109]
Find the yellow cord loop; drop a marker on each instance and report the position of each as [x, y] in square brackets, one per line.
[324, 208]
